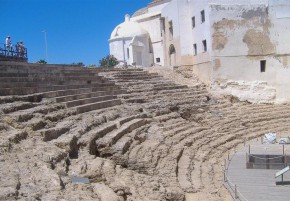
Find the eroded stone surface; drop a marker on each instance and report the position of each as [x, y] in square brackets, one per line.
[166, 141]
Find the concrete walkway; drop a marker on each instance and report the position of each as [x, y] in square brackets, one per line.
[257, 184]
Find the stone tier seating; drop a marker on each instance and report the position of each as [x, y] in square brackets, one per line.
[165, 138]
[72, 86]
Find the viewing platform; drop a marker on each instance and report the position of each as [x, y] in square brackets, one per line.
[248, 184]
[15, 54]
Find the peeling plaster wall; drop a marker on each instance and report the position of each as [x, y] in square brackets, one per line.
[240, 30]
[242, 36]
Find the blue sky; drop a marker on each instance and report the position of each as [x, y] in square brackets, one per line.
[77, 30]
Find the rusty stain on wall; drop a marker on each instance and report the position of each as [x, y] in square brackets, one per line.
[225, 23]
[219, 37]
[219, 40]
[258, 43]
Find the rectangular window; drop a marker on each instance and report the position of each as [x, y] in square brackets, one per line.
[204, 45]
[128, 53]
[158, 60]
[263, 66]
[195, 49]
[202, 16]
[193, 22]
[171, 29]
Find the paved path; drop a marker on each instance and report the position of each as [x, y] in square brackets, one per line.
[257, 184]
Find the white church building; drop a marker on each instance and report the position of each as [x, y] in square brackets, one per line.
[237, 47]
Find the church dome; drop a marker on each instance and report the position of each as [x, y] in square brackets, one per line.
[128, 29]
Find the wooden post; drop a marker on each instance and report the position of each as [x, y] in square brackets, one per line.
[249, 149]
[236, 192]
[283, 149]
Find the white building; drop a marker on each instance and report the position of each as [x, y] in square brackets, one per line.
[130, 43]
[238, 47]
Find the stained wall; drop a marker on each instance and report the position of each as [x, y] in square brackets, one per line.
[244, 35]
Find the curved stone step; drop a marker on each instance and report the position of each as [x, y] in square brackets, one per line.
[68, 143]
[166, 117]
[42, 84]
[52, 94]
[111, 138]
[13, 136]
[16, 106]
[35, 89]
[53, 133]
[135, 75]
[88, 139]
[98, 105]
[27, 114]
[87, 95]
[125, 79]
[89, 100]
[51, 79]
[47, 74]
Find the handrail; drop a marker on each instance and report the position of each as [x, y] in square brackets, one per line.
[231, 187]
[13, 52]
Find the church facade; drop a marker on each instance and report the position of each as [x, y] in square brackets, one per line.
[239, 47]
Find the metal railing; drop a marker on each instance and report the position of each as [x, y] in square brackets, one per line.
[229, 185]
[13, 52]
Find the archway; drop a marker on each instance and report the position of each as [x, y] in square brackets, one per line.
[172, 55]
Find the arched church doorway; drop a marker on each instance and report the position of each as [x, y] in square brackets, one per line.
[172, 55]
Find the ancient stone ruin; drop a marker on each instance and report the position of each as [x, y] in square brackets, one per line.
[70, 133]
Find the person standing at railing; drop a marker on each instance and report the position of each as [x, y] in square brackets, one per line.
[22, 49]
[8, 44]
[17, 49]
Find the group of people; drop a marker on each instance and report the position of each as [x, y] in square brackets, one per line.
[20, 49]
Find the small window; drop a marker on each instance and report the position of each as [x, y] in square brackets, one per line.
[193, 22]
[195, 49]
[158, 60]
[263, 66]
[128, 53]
[202, 16]
[204, 45]
[162, 27]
